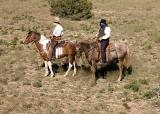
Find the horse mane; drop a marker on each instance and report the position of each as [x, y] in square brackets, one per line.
[34, 32]
[85, 44]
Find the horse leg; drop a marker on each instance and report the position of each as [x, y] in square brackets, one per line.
[93, 69]
[120, 66]
[50, 54]
[75, 69]
[70, 66]
[128, 62]
[46, 68]
[50, 68]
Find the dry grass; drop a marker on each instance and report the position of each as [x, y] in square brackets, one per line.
[23, 89]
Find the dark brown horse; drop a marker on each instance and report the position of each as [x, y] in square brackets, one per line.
[45, 48]
[118, 52]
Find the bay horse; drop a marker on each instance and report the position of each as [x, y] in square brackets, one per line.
[45, 48]
[117, 52]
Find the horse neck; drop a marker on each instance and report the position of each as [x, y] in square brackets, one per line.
[85, 47]
[38, 45]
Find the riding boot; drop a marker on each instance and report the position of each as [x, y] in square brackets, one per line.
[54, 50]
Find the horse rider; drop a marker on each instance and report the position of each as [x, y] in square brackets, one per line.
[103, 36]
[57, 32]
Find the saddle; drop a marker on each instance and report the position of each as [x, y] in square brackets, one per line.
[111, 48]
[58, 41]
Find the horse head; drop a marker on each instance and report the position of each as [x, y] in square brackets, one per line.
[32, 37]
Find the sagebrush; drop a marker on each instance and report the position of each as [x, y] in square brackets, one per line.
[74, 9]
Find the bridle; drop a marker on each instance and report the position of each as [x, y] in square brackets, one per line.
[31, 37]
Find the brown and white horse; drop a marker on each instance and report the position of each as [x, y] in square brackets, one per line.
[118, 52]
[45, 48]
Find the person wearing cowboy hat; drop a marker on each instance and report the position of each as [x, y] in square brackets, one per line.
[103, 36]
[58, 30]
[56, 34]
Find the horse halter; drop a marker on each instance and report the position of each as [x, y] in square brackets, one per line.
[32, 38]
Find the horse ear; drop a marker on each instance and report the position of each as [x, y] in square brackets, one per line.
[29, 31]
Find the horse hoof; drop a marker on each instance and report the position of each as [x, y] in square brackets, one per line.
[52, 75]
[119, 80]
[45, 74]
[73, 75]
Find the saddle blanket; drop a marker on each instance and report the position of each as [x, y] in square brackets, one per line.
[58, 52]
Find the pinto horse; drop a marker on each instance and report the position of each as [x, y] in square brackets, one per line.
[45, 48]
[116, 52]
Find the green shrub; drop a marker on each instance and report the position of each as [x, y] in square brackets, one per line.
[4, 31]
[126, 106]
[134, 85]
[135, 97]
[143, 81]
[14, 42]
[149, 94]
[74, 9]
[37, 83]
[122, 112]
[3, 42]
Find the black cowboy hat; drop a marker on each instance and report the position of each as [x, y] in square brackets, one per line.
[103, 21]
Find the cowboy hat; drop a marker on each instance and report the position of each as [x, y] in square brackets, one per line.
[103, 21]
[56, 20]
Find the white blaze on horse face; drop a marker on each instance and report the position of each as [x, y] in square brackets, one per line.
[59, 51]
[44, 41]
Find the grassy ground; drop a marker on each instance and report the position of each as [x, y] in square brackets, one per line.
[23, 89]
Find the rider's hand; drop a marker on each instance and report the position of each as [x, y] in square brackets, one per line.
[50, 36]
[100, 38]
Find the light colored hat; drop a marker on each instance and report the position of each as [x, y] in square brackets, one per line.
[56, 20]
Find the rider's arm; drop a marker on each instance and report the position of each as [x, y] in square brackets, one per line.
[97, 34]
